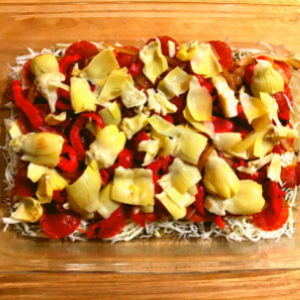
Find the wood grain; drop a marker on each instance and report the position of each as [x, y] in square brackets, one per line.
[278, 284]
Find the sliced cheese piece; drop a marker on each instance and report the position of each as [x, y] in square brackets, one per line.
[106, 148]
[227, 99]
[199, 101]
[205, 61]
[151, 148]
[13, 128]
[111, 115]
[154, 61]
[133, 186]
[183, 176]
[225, 141]
[266, 79]
[175, 83]
[176, 212]
[131, 126]
[100, 66]
[45, 63]
[54, 120]
[219, 178]
[131, 96]
[82, 98]
[106, 205]
[248, 201]
[274, 170]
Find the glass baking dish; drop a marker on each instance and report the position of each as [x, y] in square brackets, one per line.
[43, 25]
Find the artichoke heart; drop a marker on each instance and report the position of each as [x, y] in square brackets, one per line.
[42, 148]
[187, 52]
[133, 186]
[219, 178]
[29, 210]
[107, 146]
[274, 170]
[227, 99]
[205, 61]
[82, 98]
[131, 96]
[225, 141]
[247, 201]
[45, 63]
[111, 115]
[162, 126]
[54, 120]
[106, 205]
[100, 66]
[131, 126]
[13, 128]
[199, 101]
[175, 83]
[155, 62]
[151, 148]
[83, 194]
[266, 79]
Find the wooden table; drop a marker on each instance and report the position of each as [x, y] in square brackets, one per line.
[46, 22]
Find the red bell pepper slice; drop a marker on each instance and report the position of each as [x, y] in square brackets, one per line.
[224, 53]
[75, 132]
[125, 160]
[23, 186]
[110, 227]
[70, 163]
[151, 217]
[104, 176]
[125, 59]
[218, 220]
[83, 48]
[28, 76]
[169, 118]
[66, 61]
[59, 196]
[63, 94]
[222, 125]
[249, 72]
[59, 225]
[274, 194]
[63, 105]
[137, 216]
[199, 203]
[192, 215]
[24, 123]
[289, 176]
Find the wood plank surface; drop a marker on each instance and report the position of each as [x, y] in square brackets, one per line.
[278, 284]
[41, 23]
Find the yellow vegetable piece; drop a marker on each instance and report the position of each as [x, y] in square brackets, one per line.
[205, 61]
[159, 103]
[106, 148]
[264, 143]
[100, 66]
[83, 194]
[281, 132]
[175, 83]
[162, 126]
[113, 86]
[227, 140]
[244, 149]
[131, 126]
[199, 101]
[107, 206]
[47, 84]
[176, 212]
[155, 63]
[183, 176]
[187, 52]
[147, 209]
[271, 107]
[40, 148]
[111, 115]
[82, 98]
[133, 186]
[13, 128]
[131, 96]
[191, 144]
[93, 128]
[266, 79]
[274, 170]
[45, 63]
[29, 210]
[151, 148]
[247, 201]
[35, 172]
[227, 99]
[172, 50]
[255, 165]
[219, 178]
[54, 120]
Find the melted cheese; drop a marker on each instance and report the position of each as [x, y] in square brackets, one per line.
[247, 201]
[205, 61]
[106, 148]
[154, 61]
[227, 99]
[274, 170]
[131, 126]
[199, 101]
[133, 186]
[54, 120]
[82, 98]
[100, 66]
[175, 83]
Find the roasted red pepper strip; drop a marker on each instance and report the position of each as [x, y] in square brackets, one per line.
[135, 68]
[192, 215]
[83, 48]
[137, 216]
[125, 160]
[59, 197]
[69, 164]
[66, 61]
[224, 53]
[289, 176]
[110, 227]
[28, 76]
[222, 125]
[24, 123]
[75, 132]
[23, 186]
[274, 194]
[199, 203]
[104, 176]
